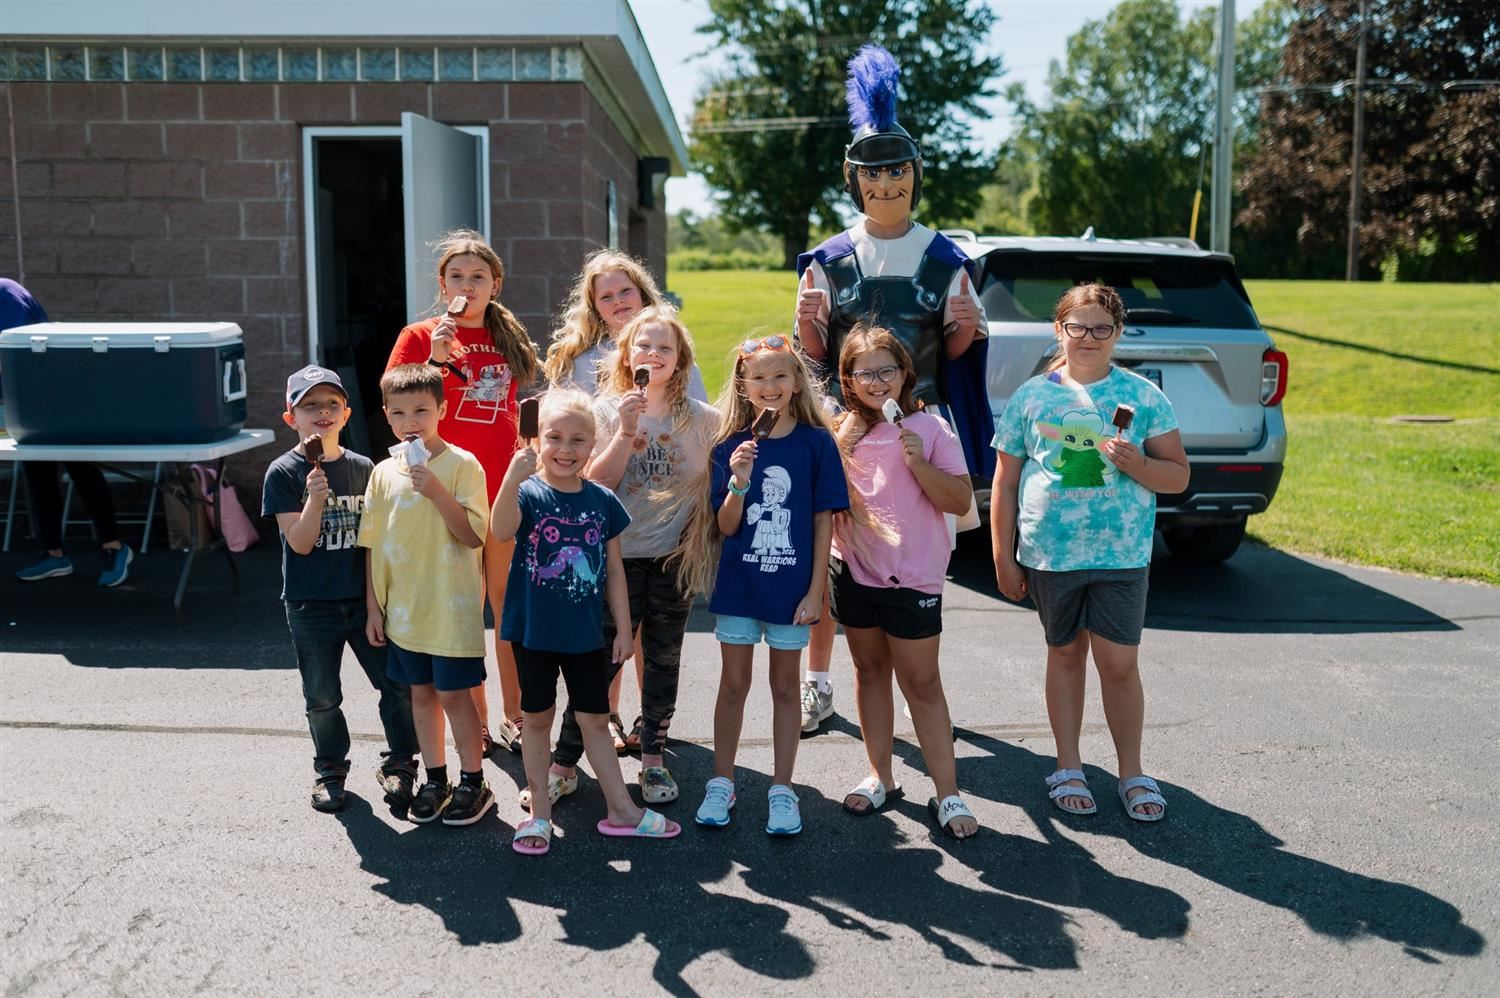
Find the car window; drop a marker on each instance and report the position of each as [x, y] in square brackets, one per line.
[1025, 286]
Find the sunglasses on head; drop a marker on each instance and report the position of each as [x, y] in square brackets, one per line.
[777, 343]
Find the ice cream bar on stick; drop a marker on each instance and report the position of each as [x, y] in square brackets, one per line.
[457, 305]
[1124, 414]
[529, 409]
[416, 451]
[892, 411]
[642, 376]
[764, 423]
[312, 446]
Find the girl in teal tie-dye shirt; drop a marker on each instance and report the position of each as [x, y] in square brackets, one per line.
[1074, 507]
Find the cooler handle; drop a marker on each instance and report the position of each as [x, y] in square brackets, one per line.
[229, 369]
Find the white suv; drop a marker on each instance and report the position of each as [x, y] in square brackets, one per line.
[1189, 327]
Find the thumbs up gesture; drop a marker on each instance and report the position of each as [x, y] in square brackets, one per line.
[963, 313]
[811, 301]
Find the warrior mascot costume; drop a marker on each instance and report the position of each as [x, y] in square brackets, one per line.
[889, 271]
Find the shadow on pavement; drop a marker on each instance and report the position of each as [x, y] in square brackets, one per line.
[1227, 848]
[1259, 591]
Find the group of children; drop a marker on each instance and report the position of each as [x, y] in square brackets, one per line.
[591, 535]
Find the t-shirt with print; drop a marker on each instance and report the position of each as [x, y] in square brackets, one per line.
[335, 567]
[658, 487]
[893, 496]
[766, 566]
[1077, 511]
[482, 414]
[430, 586]
[554, 600]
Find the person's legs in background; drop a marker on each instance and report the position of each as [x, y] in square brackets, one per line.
[46, 499]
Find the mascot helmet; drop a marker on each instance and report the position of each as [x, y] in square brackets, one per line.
[878, 140]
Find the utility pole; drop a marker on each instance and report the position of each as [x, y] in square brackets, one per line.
[1224, 133]
[1351, 264]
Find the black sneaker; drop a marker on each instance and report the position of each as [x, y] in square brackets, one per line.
[430, 801]
[469, 804]
[398, 780]
[328, 794]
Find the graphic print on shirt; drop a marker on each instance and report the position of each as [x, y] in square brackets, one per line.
[339, 525]
[567, 556]
[1078, 461]
[771, 544]
[652, 467]
[488, 391]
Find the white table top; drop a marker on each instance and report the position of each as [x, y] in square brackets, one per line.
[135, 453]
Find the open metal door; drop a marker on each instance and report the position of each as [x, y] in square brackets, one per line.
[442, 185]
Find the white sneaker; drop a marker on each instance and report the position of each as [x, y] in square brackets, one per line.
[817, 706]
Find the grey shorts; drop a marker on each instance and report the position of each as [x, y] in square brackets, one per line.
[1108, 602]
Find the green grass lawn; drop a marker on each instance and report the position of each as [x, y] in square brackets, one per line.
[1358, 487]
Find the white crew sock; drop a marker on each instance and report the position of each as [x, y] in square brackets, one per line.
[821, 678]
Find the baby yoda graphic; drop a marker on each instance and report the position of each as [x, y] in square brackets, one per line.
[1080, 432]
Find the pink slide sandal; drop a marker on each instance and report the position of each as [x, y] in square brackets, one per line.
[653, 825]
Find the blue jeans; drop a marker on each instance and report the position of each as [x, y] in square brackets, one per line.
[320, 629]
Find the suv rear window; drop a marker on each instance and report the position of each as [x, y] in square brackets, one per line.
[1158, 291]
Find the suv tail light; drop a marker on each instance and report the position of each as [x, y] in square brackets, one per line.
[1272, 377]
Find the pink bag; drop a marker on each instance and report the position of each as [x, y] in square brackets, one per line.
[234, 524]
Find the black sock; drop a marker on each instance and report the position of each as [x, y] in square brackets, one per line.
[438, 775]
[474, 779]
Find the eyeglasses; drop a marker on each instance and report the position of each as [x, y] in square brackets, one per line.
[872, 173]
[1076, 331]
[885, 374]
[777, 343]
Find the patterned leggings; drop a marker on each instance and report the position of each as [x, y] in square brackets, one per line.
[660, 610]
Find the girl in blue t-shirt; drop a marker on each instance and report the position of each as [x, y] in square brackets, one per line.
[773, 491]
[1080, 498]
[566, 568]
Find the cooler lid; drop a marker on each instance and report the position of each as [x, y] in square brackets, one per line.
[120, 335]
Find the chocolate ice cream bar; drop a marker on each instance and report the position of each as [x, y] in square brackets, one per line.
[1123, 416]
[312, 447]
[892, 411]
[529, 410]
[457, 306]
[642, 376]
[764, 423]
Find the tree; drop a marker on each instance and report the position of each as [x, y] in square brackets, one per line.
[769, 133]
[1431, 155]
[1119, 141]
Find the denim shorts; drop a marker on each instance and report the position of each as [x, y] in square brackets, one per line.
[440, 671]
[747, 631]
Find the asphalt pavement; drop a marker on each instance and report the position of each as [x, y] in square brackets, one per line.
[1326, 737]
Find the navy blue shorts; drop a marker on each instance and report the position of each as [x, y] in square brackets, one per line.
[421, 669]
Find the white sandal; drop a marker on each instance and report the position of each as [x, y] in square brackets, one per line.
[944, 811]
[1151, 796]
[1058, 790]
[874, 791]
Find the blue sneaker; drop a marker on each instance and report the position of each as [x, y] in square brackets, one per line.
[718, 799]
[786, 816]
[116, 566]
[46, 567]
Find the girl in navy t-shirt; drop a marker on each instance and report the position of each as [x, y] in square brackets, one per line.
[772, 499]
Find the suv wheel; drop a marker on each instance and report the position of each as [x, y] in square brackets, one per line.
[1206, 545]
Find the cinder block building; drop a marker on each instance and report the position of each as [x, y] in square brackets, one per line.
[284, 165]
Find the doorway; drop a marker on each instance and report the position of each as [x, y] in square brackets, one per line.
[377, 197]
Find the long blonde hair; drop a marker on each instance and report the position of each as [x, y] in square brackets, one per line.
[583, 328]
[617, 378]
[696, 559]
[506, 331]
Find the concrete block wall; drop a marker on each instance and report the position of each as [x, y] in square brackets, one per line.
[183, 201]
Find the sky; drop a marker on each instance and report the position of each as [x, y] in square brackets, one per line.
[1028, 35]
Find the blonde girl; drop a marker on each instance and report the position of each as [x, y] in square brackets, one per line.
[1080, 497]
[772, 497]
[652, 449]
[485, 355]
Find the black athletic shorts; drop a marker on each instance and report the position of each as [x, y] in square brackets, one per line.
[901, 613]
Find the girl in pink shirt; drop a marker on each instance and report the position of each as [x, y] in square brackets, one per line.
[886, 578]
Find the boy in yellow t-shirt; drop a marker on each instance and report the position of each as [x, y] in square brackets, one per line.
[424, 524]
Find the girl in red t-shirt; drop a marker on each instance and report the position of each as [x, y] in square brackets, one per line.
[485, 353]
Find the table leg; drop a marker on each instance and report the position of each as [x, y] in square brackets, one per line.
[193, 539]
